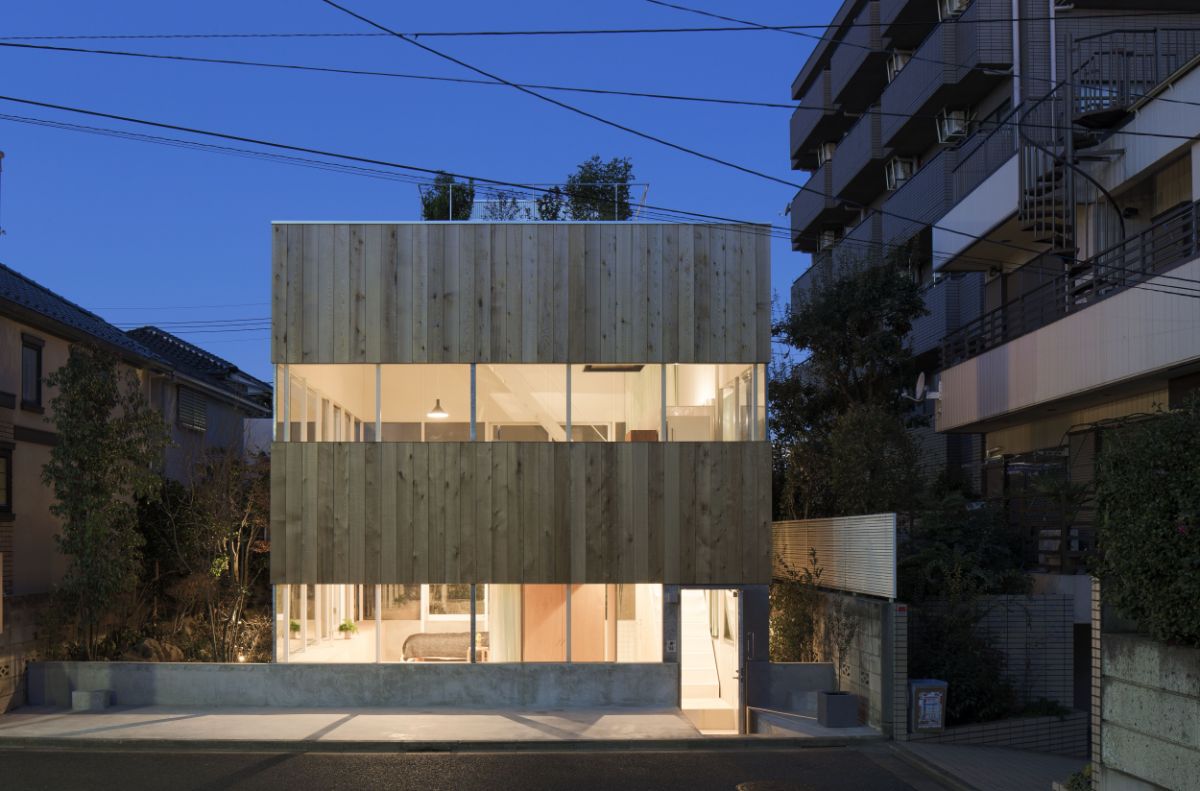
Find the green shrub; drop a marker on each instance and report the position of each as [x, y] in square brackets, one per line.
[1148, 492]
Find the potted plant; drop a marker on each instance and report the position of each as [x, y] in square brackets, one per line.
[294, 626]
[347, 628]
[838, 708]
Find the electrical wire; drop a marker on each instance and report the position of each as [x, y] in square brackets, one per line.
[665, 212]
[494, 83]
[568, 31]
[844, 42]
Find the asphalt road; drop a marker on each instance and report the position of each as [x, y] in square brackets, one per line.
[872, 769]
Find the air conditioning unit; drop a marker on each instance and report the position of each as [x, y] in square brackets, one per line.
[899, 170]
[827, 239]
[897, 60]
[825, 153]
[952, 125]
[948, 9]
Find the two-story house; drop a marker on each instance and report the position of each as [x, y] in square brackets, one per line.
[523, 442]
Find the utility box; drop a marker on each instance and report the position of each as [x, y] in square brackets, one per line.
[927, 705]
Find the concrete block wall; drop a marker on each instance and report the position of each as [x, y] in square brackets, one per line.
[1150, 711]
[1066, 735]
[18, 646]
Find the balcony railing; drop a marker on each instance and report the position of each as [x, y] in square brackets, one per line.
[922, 200]
[982, 154]
[857, 62]
[859, 174]
[955, 53]
[1170, 242]
[1113, 70]
[810, 127]
[814, 208]
[905, 22]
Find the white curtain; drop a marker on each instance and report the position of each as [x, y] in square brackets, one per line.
[504, 623]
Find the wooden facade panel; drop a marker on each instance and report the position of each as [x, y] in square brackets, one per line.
[520, 293]
[678, 513]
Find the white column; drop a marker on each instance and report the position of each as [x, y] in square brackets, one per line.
[568, 402]
[662, 392]
[304, 617]
[378, 623]
[754, 402]
[472, 589]
[378, 405]
[473, 439]
[287, 405]
[287, 623]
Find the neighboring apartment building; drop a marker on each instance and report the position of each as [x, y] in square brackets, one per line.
[992, 157]
[524, 442]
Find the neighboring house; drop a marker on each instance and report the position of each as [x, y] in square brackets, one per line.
[524, 442]
[204, 398]
[216, 404]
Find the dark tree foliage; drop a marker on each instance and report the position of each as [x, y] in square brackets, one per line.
[1148, 491]
[447, 199]
[550, 204]
[599, 190]
[837, 416]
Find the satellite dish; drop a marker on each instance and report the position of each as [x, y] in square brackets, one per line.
[919, 390]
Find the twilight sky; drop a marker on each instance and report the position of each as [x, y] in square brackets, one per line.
[143, 233]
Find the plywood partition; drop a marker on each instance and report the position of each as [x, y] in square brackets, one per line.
[520, 293]
[686, 513]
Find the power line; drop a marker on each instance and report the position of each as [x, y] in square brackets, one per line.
[843, 42]
[495, 83]
[674, 214]
[568, 31]
[369, 73]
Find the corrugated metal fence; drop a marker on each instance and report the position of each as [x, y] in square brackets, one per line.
[855, 553]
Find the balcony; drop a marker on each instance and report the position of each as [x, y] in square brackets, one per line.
[921, 201]
[815, 209]
[859, 174]
[1116, 69]
[951, 301]
[810, 127]
[1087, 330]
[957, 62]
[900, 22]
[1152, 252]
[858, 62]
[860, 248]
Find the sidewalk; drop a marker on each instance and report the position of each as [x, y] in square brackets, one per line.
[990, 768]
[152, 727]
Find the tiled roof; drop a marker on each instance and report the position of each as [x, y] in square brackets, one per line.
[19, 290]
[200, 364]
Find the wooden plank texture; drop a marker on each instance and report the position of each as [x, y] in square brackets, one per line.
[522, 512]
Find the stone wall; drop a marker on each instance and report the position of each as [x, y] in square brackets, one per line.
[1150, 714]
[398, 685]
[18, 645]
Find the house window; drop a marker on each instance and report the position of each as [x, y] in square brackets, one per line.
[5, 480]
[31, 372]
[190, 410]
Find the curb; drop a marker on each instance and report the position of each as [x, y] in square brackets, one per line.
[718, 743]
[931, 769]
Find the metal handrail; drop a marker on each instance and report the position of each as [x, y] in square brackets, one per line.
[1171, 241]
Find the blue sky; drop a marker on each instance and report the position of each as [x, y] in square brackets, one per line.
[142, 233]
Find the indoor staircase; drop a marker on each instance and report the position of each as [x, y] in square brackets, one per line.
[700, 682]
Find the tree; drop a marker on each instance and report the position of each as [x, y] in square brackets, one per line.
[110, 444]
[838, 419]
[447, 199]
[550, 204]
[599, 190]
[206, 540]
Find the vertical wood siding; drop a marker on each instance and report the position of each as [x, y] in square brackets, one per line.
[494, 512]
[520, 293]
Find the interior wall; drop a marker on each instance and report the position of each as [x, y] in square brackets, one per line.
[544, 623]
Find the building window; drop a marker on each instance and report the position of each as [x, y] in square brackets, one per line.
[5, 480]
[191, 410]
[31, 372]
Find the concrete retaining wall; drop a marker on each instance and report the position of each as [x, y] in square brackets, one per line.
[790, 686]
[349, 685]
[18, 646]
[1150, 704]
